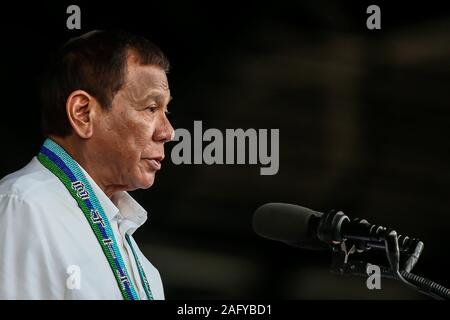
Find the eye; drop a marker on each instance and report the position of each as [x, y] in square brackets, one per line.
[152, 109]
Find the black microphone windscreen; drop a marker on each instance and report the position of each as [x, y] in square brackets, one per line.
[292, 224]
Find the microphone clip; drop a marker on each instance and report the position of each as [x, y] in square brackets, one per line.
[358, 235]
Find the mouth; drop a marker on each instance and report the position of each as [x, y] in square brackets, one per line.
[154, 163]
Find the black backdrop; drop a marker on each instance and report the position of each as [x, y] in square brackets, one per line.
[363, 118]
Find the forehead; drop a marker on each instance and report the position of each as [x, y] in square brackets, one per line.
[146, 80]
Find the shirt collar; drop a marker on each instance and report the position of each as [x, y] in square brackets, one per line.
[121, 206]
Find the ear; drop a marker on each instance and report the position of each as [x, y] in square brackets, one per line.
[80, 111]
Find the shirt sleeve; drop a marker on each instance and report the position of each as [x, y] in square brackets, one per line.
[28, 268]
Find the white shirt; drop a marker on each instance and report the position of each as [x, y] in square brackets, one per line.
[45, 240]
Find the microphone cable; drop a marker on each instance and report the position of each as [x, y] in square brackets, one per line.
[423, 285]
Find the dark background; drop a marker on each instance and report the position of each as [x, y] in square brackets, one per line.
[363, 118]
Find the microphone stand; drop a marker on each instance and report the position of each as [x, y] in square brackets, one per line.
[343, 266]
[381, 238]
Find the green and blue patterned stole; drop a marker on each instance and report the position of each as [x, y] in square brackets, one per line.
[61, 164]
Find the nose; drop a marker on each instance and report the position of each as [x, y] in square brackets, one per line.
[164, 131]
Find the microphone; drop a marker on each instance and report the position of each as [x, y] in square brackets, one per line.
[288, 223]
[309, 229]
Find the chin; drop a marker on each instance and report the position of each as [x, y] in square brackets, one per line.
[146, 182]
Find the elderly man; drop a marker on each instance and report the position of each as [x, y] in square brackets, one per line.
[66, 220]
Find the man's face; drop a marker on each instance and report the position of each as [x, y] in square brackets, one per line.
[130, 136]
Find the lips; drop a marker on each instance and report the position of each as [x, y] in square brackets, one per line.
[154, 163]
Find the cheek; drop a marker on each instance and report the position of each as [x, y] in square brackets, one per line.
[135, 141]
[141, 129]
[129, 133]
[139, 136]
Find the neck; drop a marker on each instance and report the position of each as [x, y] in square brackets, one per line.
[78, 150]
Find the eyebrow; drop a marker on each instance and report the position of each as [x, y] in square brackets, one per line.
[155, 94]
